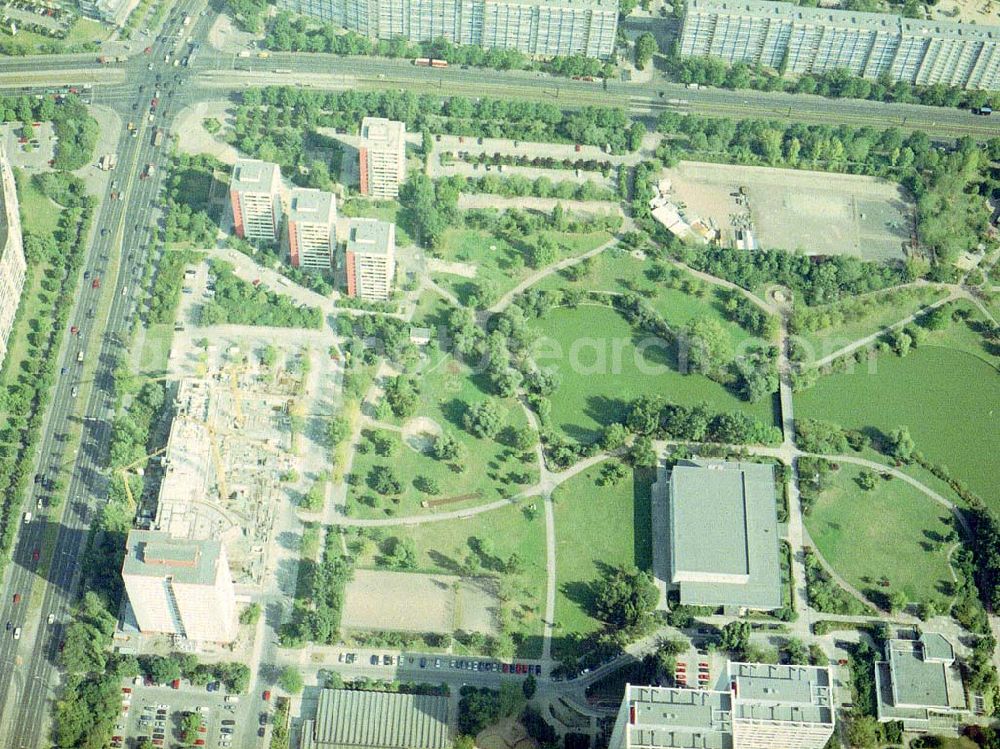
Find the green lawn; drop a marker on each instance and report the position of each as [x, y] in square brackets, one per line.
[40, 212]
[431, 311]
[890, 530]
[617, 271]
[596, 526]
[601, 371]
[156, 350]
[944, 393]
[446, 390]
[496, 261]
[888, 308]
[443, 547]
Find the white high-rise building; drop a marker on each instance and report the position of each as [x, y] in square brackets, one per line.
[535, 27]
[255, 194]
[382, 154]
[12, 264]
[180, 586]
[312, 218]
[370, 259]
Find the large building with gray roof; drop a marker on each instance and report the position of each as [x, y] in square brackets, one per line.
[354, 719]
[723, 535]
[920, 684]
[535, 27]
[758, 706]
[803, 40]
[12, 263]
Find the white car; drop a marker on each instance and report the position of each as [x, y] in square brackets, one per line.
[17, 633]
[163, 707]
[201, 709]
[51, 619]
[232, 698]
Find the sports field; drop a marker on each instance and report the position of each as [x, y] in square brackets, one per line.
[893, 530]
[945, 396]
[604, 364]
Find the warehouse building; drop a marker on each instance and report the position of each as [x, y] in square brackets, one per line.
[920, 684]
[12, 263]
[354, 719]
[804, 40]
[180, 587]
[758, 706]
[723, 535]
[535, 27]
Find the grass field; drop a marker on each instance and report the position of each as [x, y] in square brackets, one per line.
[853, 530]
[444, 547]
[888, 309]
[431, 310]
[497, 262]
[41, 212]
[596, 526]
[944, 393]
[489, 467]
[617, 271]
[601, 370]
[156, 350]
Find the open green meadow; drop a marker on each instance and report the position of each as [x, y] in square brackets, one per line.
[596, 526]
[496, 262]
[604, 364]
[41, 213]
[491, 470]
[481, 542]
[943, 392]
[893, 530]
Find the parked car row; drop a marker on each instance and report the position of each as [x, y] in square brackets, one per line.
[431, 662]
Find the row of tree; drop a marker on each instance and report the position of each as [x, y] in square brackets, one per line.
[319, 597]
[240, 303]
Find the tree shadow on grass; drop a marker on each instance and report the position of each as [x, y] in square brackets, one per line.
[454, 411]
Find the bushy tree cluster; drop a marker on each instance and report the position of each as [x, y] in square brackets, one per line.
[238, 302]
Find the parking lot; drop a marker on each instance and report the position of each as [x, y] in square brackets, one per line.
[160, 713]
[417, 662]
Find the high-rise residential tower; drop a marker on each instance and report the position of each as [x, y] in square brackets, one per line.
[255, 194]
[312, 218]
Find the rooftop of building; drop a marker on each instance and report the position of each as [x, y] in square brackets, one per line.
[309, 205]
[157, 554]
[377, 720]
[724, 534]
[801, 694]
[669, 718]
[252, 175]
[379, 130]
[369, 236]
[573, 4]
[847, 18]
[920, 672]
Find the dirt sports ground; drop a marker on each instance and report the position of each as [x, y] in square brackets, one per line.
[816, 212]
[415, 602]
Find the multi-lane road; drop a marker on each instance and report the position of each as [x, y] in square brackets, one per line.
[119, 247]
[116, 255]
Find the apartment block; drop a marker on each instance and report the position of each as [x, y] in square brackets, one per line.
[382, 156]
[312, 218]
[12, 263]
[758, 706]
[535, 27]
[370, 259]
[255, 194]
[816, 40]
[180, 587]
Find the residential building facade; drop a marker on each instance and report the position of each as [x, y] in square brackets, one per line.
[755, 706]
[382, 157]
[535, 27]
[803, 40]
[180, 587]
[312, 218]
[12, 263]
[255, 195]
[370, 259]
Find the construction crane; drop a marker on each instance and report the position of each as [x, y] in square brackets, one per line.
[124, 471]
[234, 386]
[220, 472]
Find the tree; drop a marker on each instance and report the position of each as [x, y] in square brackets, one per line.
[485, 419]
[897, 601]
[862, 731]
[250, 614]
[400, 553]
[625, 597]
[736, 638]
[642, 454]
[338, 430]
[383, 479]
[614, 436]
[926, 611]
[315, 498]
[447, 448]
[867, 480]
[291, 680]
[189, 727]
[613, 472]
[707, 345]
[901, 445]
[427, 485]
[528, 686]
[645, 48]
[401, 393]
[163, 670]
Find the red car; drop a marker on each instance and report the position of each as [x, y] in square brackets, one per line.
[176, 683]
[200, 742]
[74, 330]
[126, 690]
[147, 50]
[267, 695]
[35, 554]
[95, 284]
[256, 282]
[202, 728]
[17, 598]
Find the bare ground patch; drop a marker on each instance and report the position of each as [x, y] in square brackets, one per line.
[419, 433]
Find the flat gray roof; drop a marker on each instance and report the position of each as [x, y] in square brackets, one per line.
[668, 718]
[724, 534]
[253, 175]
[937, 647]
[377, 720]
[382, 131]
[782, 693]
[158, 554]
[369, 236]
[310, 205]
[847, 18]
[591, 4]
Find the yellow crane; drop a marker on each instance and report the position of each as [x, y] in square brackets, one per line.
[124, 471]
[234, 386]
